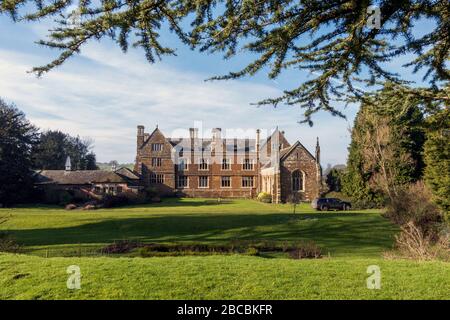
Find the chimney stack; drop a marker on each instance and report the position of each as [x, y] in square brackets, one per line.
[140, 136]
[257, 144]
[193, 133]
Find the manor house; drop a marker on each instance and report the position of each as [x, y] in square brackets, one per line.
[220, 167]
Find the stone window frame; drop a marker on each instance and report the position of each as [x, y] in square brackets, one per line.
[302, 176]
[250, 166]
[228, 163]
[157, 178]
[229, 181]
[182, 186]
[203, 161]
[156, 162]
[157, 147]
[247, 178]
[207, 182]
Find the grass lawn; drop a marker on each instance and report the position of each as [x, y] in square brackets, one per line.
[355, 233]
[354, 240]
[220, 277]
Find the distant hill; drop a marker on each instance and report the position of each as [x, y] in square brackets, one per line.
[108, 165]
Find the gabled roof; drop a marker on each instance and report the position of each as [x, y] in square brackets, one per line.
[281, 137]
[286, 151]
[147, 137]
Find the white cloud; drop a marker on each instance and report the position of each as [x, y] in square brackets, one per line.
[104, 94]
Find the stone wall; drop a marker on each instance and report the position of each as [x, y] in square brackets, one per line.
[299, 159]
[144, 164]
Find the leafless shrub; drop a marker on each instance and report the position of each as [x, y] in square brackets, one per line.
[307, 250]
[422, 225]
[413, 243]
[413, 204]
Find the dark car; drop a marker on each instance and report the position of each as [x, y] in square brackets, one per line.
[325, 204]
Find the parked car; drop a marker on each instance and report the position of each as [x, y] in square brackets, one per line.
[325, 204]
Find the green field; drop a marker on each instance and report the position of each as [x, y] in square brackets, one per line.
[53, 239]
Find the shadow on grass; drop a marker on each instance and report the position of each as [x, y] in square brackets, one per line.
[180, 202]
[165, 203]
[335, 232]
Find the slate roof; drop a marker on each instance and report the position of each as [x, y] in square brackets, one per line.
[79, 177]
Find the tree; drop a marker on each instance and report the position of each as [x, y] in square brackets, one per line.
[17, 136]
[333, 179]
[55, 146]
[355, 182]
[437, 158]
[386, 147]
[50, 152]
[336, 41]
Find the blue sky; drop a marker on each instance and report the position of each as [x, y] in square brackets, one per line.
[104, 94]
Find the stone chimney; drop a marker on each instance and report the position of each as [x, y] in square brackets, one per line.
[193, 133]
[68, 164]
[257, 143]
[140, 136]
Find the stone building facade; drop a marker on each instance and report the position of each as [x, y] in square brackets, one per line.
[227, 168]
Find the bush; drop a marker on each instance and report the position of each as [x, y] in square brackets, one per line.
[123, 246]
[111, 201]
[305, 250]
[339, 195]
[151, 192]
[65, 197]
[122, 199]
[413, 204]
[264, 197]
[422, 224]
[413, 243]
[8, 243]
[252, 251]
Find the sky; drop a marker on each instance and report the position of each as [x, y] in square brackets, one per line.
[104, 94]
